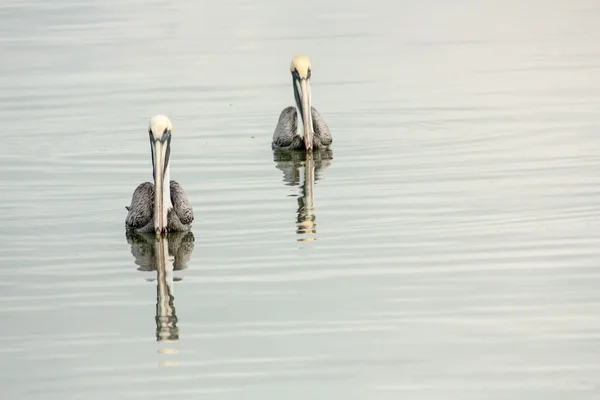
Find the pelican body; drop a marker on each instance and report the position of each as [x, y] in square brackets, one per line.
[162, 206]
[315, 133]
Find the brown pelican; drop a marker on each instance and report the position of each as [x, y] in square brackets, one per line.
[162, 206]
[292, 164]
[315, 133]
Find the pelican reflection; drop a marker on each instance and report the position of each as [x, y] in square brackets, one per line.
[303, 169]
[163, 254]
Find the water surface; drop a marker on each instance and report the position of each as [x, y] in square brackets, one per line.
[447, 246]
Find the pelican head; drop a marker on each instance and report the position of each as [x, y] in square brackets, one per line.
[301, 70]
[159, 130]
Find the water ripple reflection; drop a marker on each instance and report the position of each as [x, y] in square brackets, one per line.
[304, 169]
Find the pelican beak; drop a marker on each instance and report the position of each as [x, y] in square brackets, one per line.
[302, 92]
[161, 148]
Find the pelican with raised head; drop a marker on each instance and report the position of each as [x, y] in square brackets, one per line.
[315, 133]
[162, 206]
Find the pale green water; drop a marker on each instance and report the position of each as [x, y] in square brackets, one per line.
[456, 252]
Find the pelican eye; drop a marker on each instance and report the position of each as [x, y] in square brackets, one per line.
[165, 131]
[308, 74]
[295, 74]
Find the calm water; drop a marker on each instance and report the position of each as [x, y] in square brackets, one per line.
[447, 247]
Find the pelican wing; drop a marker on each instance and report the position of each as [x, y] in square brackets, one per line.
[140, 211]
[181, 204]
[321, 129]
[284, 135]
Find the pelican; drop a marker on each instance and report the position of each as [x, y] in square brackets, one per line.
[162, 206]
[315, 133]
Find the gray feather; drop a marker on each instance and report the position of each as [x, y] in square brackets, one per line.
[141, 208]
[322, 132]
[141, 211]
[181, 204]
[287, 137]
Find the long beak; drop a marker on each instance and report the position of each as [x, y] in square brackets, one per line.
[160, 159]
[303, 98]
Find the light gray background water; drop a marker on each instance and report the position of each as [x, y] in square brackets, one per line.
[456, 252]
